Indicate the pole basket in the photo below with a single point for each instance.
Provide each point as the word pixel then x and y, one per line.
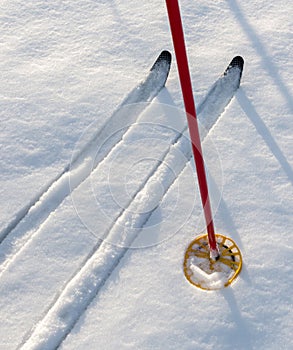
pixel 206 273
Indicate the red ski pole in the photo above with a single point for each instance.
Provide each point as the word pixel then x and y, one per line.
pixel 186 87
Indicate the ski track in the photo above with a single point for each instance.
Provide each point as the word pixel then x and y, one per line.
pixel 21 229
pixel 86 283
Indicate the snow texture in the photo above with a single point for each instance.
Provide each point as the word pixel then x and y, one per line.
pixel 99 198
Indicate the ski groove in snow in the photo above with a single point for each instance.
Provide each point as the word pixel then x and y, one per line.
pixel 104 258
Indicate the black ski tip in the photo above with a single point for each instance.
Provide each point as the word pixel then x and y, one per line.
pixel 237 61
pixel 165 56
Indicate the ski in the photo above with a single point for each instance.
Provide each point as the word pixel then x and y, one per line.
pixel 220 94
pixel 124 117
pixel 85 285
pixel 237 62
pixel 146 90
pixel 31 216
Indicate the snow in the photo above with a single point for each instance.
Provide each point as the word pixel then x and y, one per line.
pixel 85 264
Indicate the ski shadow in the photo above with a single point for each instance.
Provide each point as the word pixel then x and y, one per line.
pixel 263 130
pixel 267 62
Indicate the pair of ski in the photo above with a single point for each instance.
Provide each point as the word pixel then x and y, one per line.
pixel 89 279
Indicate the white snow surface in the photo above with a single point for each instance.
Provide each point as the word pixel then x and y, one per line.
pixel 84 263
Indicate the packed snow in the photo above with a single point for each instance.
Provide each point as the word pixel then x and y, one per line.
pixel 99 195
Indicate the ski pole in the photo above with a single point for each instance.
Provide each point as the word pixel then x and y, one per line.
pixel 186 87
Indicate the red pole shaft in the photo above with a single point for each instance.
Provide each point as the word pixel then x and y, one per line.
pixel 186 87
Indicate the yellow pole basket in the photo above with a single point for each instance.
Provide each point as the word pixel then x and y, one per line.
pixel 208 273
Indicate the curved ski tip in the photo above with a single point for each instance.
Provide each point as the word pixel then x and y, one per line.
pixel 165 56
pixel 237 61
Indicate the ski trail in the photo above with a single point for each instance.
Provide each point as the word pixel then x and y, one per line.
pixel 20 215
pixel 90 278
pixel 30 217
